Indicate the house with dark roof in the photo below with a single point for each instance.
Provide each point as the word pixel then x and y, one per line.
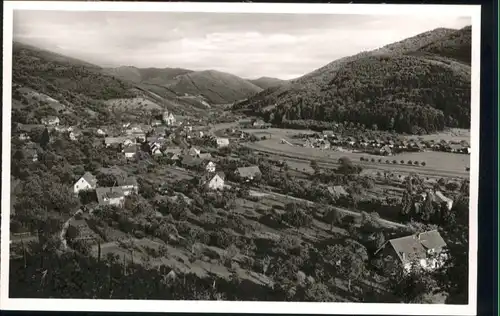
pixel 172 150
pixel 110 196
pixel 213 181
pixel 86 182
pixel 248 173
pixel 423 249
pixel 209 166
pixel 50 121
pixel 127 183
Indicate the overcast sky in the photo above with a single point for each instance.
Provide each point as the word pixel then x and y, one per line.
pixel 248 45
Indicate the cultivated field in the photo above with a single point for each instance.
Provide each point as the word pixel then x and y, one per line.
pixel 454 134
pixel 445 163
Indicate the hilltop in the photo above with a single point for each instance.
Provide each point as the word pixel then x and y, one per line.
pixel 410 86
pixel 267 82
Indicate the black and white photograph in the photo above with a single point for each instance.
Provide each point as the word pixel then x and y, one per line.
pixel 241 155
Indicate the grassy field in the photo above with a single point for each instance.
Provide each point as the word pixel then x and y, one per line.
pixel 435 161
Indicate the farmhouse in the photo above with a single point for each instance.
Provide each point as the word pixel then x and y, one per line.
pixel 248 173
pixel 128 184
pixel 86 182
pixel 24 136
pixel 101 132
pixel 50 121
pixel 210 166
pixel 222 142
pixel 110 196
pixel 193 151
pixel 424 249
pixel 75 134
pixel 204 156
pixel 213 181
pixel 338 191
pixel 190 161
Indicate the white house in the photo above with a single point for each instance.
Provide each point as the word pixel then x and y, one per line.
pixel 86 182
pixel 222 142
pixel 168 118
pixel 214 181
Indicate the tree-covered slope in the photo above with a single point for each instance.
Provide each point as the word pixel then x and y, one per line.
pixel 456 45
pixel 53 73
pixel 81 87
pixel 267 82
pixel 405 86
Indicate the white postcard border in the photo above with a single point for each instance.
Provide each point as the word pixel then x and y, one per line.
pixel 473 11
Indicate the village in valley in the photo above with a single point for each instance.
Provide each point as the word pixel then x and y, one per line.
pixel 164 203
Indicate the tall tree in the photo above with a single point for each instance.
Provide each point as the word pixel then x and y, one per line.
pixel 45 139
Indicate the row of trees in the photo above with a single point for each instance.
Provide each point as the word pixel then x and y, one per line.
pixel 394 161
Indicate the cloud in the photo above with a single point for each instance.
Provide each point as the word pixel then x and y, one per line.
pixel 248 45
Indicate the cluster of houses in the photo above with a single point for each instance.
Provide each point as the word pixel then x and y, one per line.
pixel 254 123
pixel 328 139
pixel 114 195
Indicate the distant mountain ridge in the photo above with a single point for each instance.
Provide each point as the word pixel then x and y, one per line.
pixel 215 87
pixel 420 84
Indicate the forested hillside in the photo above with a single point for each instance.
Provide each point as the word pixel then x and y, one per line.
pixel 53 84
pixel 411 86
pixel 267 82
